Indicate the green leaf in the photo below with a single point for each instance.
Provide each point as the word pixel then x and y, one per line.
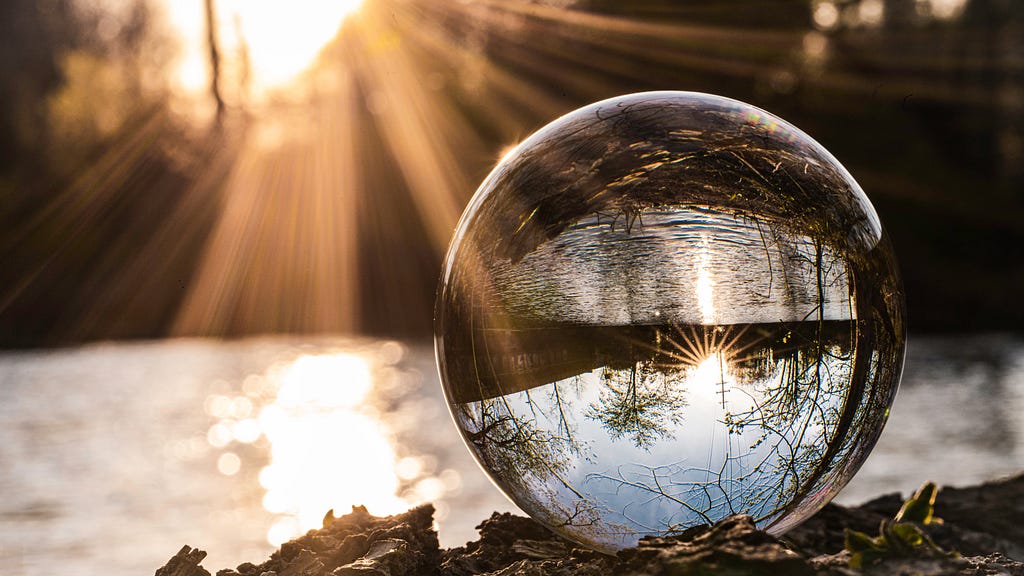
pixel 909 534
pixel 901 536
pixel 860 559
pixel 921 507
pixel 855 541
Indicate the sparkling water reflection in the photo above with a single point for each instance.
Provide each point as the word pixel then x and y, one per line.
pixel 235 446
pixel 108 465
pixel 312 425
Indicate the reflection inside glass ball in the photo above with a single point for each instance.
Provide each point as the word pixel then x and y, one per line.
pixel 666 308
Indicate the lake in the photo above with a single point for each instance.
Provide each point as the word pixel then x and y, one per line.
pixel 114 455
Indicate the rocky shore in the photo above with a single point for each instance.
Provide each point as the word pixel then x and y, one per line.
pixel 981 533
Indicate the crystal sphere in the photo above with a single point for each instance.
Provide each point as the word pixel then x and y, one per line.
pixel 665 308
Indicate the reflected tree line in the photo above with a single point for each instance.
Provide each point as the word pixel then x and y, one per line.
pixel 799 388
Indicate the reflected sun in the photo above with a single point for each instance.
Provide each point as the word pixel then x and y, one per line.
pixel 710 379
pixel 705 283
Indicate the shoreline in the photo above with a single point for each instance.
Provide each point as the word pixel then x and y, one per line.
pixel 982 533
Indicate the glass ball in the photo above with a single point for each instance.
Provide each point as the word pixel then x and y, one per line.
pixel 665 308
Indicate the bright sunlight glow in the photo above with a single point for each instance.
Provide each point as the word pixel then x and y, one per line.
pixel 330 447
pixel 325 451
pixel 712 383
pixel 282 38
pixel 327 382
pixel 709 379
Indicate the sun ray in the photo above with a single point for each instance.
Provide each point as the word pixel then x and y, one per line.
pixel 510 101
pixel 420 131
pixel 282 256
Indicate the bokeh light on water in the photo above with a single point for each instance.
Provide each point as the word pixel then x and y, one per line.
pixel 318 420
pixel 230 446
pixel 318 433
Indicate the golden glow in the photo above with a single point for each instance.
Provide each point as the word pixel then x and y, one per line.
pixel 280 39
pixel 284 38
pixel 283 253
pixel 188 22
pixel 330 381
pixel 942 9
pixel 709 382
pixel 815 47
pixel 871 12
pixel 326 451
pixel 329 448
pixel 229 464
pixel 826 15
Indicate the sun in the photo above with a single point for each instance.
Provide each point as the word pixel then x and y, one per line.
pixel 284 38
pixel 710 379
pixel 279 39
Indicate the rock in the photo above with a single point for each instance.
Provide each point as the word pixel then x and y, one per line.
pixel 838 565
pixel 386 557
pixel 357 543
pixel 992 565
pixel 984 519
pixel 824 532
pixel 733 546
pixel 184 563
pixel 513 545
pixel 985 524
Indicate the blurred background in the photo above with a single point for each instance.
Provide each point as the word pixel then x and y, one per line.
pixel 235 167
pixel 203 202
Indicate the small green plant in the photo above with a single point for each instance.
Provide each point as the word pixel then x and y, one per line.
pixel 902 536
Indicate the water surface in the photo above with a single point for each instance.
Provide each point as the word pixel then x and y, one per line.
pixel 114 455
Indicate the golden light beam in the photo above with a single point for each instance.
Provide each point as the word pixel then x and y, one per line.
pixel 511 103
pixel 422 132
pixel 283 255
pixel 607 24
pixel 169 244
